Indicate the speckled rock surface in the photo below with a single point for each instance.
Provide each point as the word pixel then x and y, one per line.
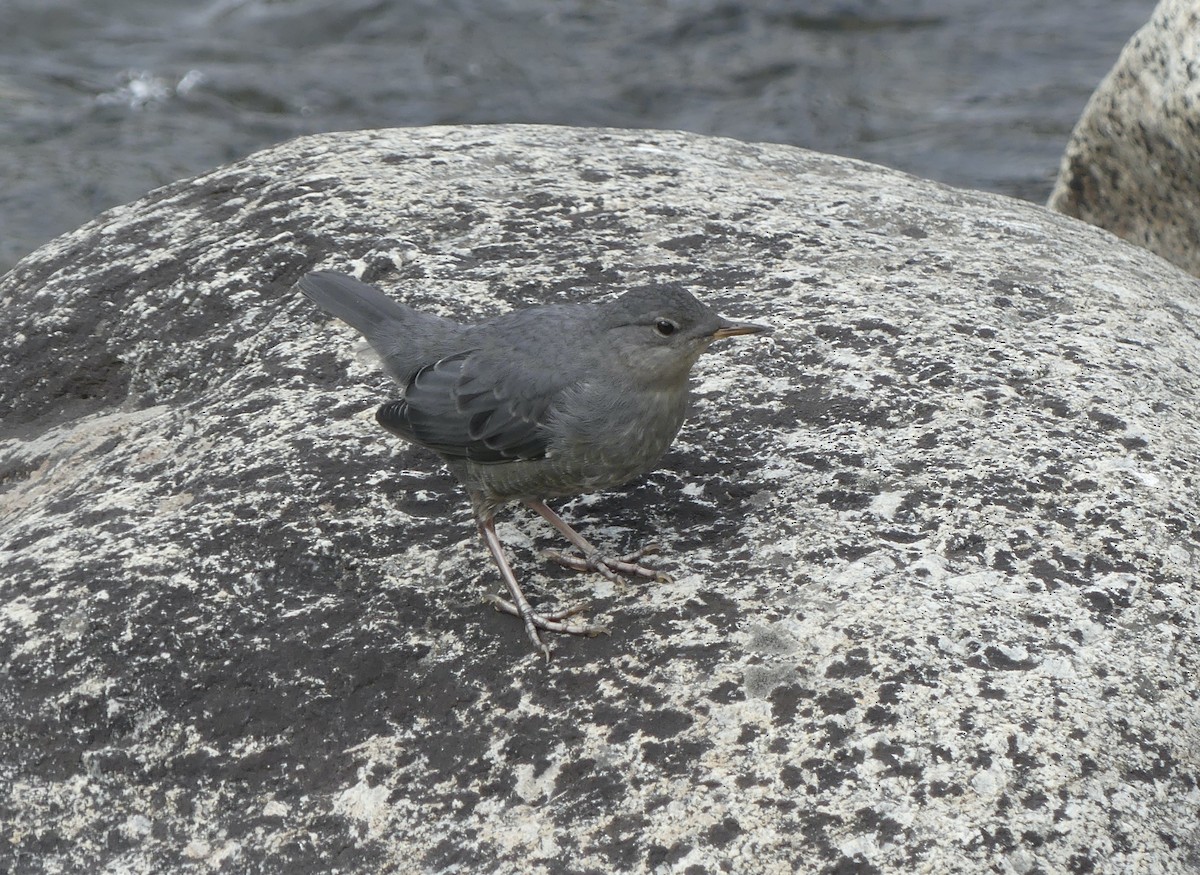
pixel 1133 162
pixel 936 603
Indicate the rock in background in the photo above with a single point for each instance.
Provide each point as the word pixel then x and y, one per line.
pixel 935 544
pixel 1133 161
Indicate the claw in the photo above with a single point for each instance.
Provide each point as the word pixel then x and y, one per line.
pixel 612 569
pixel 592 559
pixel 552 622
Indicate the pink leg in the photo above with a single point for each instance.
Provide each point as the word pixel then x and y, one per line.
pixel 593 559
pixel 520 607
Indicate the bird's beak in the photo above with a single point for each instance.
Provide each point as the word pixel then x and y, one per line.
pixel 734 329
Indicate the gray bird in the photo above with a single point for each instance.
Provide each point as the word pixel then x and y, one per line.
pixel 542 402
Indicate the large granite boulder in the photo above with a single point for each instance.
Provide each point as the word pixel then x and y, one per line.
pixel 1133 162
pixel 935 545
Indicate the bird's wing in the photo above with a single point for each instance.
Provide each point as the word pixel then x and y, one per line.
pixel 471 406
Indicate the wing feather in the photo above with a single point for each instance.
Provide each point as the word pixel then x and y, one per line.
pixel 468 406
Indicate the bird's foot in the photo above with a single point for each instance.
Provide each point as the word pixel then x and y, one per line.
pixel 558 621
pixel 611 568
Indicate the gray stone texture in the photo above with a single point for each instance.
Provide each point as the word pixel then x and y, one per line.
pixel 1133 161
pixel 935 545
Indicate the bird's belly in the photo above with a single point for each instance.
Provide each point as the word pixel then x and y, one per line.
pixel 592 455
pixel 591 469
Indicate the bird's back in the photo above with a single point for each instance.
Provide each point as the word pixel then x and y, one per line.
pixel 557 415
pixel 493 397
pixel 479 391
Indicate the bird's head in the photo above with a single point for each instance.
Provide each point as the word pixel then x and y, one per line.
pixel 658 333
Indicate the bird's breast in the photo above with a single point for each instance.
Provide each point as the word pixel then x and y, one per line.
pixel 613 436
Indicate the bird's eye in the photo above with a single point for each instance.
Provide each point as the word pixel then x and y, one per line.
pixel 665 327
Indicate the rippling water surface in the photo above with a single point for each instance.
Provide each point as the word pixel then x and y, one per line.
pixel 102 100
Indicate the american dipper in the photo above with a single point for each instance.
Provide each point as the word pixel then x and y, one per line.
pixel 546 401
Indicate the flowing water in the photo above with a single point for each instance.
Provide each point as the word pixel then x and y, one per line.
pixel 102 100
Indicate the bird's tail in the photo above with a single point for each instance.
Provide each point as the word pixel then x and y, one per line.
pixel 401 336
pixel 357 304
